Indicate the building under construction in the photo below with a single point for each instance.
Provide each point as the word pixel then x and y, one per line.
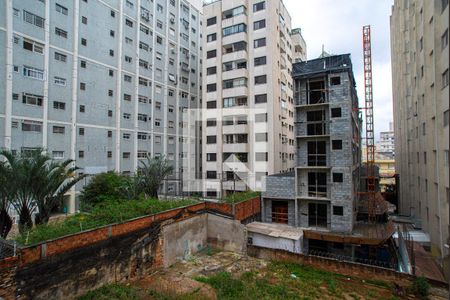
pixel 325 198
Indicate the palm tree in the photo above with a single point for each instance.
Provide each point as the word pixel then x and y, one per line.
pixel 53 181
pixel 6 195
pixel 38 183
pixel 151 173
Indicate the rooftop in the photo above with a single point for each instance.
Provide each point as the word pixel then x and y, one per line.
pixel 323 64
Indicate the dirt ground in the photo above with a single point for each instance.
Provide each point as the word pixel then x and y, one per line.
pixel 179 281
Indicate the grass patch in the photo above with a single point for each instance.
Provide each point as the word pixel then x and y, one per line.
pixel 112 292
pixel 105 213
pixel 241 196
pixel 379 283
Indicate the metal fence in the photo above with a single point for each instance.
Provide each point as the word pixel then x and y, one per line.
pixel 7 248
pixel 363 261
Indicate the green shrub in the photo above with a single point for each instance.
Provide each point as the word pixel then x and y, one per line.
pixel 112 291
pixel 102 187
pixel 421 287
pixel 104 213
pixel 241 196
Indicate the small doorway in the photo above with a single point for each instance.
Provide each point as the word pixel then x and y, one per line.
pixel 280 212
pixel 317 215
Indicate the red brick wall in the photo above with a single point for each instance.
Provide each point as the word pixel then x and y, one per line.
pixel 344 268
pixel 247 209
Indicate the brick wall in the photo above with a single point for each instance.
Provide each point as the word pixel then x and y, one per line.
pixel 350 269
pixel 74 264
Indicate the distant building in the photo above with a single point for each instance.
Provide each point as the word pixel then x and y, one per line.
pixel 420 81
pixel 386 144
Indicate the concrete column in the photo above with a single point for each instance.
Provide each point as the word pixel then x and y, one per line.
pixel 296 212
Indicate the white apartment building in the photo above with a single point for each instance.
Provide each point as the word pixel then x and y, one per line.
pixel 103 82
pixel 420 76
pixel 248 108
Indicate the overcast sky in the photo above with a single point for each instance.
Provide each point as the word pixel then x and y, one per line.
pixel 337 24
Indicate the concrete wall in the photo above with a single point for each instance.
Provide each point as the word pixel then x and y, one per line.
pixel 266 241
pixel 226 234
pixel 278 187
pixel 182 239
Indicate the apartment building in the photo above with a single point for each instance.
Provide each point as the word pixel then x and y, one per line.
pixel 321 193
pixel 104 82
pixel 420 75
pixel 248 109
pixel 386 144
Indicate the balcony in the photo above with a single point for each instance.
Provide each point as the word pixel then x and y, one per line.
pixel 235 147
pixel 229 39
pixel 236 55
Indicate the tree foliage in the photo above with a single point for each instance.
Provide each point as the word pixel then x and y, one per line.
pixel 35 184
pixel 151 174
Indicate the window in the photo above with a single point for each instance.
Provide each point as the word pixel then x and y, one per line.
pixel 445 78
pixel 338 210
pixel 126 155
pixel 335 80
pixel 260 61
pixel 34 126
pixel 128 59
pixel 444 39
pixel 110 93
pixel 82 86
pixel 233 12
pixel 60 81
pixel 211 70
pixel 211 21
pixel 129 23
pixel 421 44
pixel 59 129
pixel 33 46
pixel 127 78
pixel 159 40
pixel 444 4
pixel 317 153
pixel 259 43
pixel 261 118
pixel 234 29
pixel 211 174
pixel 446 118
pixel 211 156
pixel 128 40
pixel 211 139
pixel 336 112
pixel 59 105
pixel 83 64
pixel 143 81
pixel 211 54
pixel 80 154
pixel 212 87
pixel 126 136
pixel 232 83
pixel 211 37
pixel 144 46
pixel 83 42
pixel 58 154
pixel 111 52
pixel 110 113
pixel 127 97
pixel 338 177
pixel 159 24
pixel 142 117
pixel 109 134
pixel 60 32
pixel 82 109
pixel 60 57
pixel 261 137
pixel 33 73
pixel 336 144
pixel 262 98
pixel 113 14
pixel 81 131
pixel 259 6
pixel 33 19
pixel 144 29
pixel 260 79
pixel 424 128
pixel 31 99
pixel 16 12
pixel 211 104
pixel 109 154
pixel 259 24
pixel 84 20
pixel 261 156
pixel 315 122
pixel 317 184
pixel 211 122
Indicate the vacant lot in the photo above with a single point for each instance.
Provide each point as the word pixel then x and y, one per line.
pixel 224 275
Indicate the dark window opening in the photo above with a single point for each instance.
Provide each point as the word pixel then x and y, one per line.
pixel 280 212
pixel 317 92
pixel 335 80
pixel 338 177
pixel 317 184
pixel 336 144
pixel 317 153
pixel 316 122
pixel 317 215
pixel 338 210
pixel 336 112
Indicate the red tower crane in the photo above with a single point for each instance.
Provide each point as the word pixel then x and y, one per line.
pixel 370 140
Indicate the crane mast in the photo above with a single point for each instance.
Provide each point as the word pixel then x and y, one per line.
pixel 370 140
